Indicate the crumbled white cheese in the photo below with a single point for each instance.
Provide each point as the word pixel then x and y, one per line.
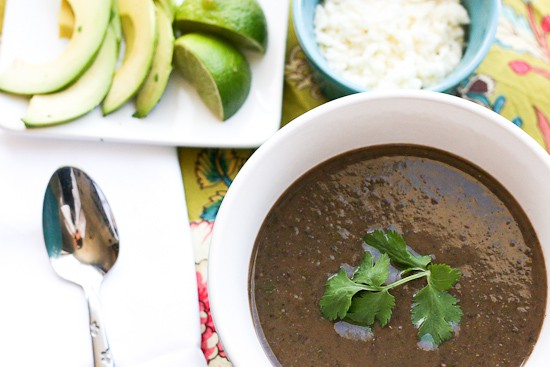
pixel 388 44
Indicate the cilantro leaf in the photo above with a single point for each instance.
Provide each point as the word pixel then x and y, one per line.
pixel 442 276
pixel 432 312
pixel 373 274
pixel 365 299
pixel 336 300
pixel 366 307
pixel 393 244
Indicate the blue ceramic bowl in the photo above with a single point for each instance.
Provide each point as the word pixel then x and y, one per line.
pixel 480 34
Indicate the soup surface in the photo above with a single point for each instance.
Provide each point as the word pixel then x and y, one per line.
pixel 443 207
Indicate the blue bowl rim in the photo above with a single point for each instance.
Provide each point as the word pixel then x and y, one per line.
pixel 446 84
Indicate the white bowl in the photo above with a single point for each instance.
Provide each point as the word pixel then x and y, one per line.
pixel 426 118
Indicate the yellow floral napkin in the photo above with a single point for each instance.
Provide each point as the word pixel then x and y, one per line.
pixel 514 80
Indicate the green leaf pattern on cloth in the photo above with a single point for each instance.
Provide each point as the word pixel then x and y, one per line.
pixel 513 80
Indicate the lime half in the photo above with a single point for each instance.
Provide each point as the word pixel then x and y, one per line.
pixel 242 22
pixel 218 71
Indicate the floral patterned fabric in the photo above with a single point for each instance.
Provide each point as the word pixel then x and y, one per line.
pixel 514 80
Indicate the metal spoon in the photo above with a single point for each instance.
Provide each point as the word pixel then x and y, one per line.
pixel 82 242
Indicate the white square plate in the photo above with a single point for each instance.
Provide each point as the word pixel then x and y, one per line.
pixel 180 119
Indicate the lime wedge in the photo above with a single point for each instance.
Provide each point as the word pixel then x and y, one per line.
pixel 242 22
pixel 218 71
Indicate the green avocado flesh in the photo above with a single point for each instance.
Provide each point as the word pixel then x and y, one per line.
pixel 154 85
pixel 82 96
pixel 139 29
pixel 91 22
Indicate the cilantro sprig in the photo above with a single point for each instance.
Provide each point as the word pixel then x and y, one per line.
pixel 365 298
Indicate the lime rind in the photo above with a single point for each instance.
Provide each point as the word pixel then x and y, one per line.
pixel 242 22
pixel 250 42
pixel 241 77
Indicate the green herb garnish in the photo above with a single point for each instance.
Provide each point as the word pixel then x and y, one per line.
pixel 365 298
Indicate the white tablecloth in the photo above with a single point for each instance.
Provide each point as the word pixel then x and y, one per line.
pixel 149 297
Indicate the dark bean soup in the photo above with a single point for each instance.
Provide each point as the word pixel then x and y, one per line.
pixel 444 207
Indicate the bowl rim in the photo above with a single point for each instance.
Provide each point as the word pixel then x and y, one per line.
pixel 316 59
pixel 218 270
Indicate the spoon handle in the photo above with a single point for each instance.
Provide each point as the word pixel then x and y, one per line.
pixel 100 344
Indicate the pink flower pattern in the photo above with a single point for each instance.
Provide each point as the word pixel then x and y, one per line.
pixel 521 67
pixel 210 344
pixel 540 31
pixel 544 127
pixel 201 232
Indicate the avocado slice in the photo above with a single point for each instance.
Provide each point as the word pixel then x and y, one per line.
pixel 169 6
pixel 138 19
pixel 154 85
pixel 115 22
pixel 82 96
pixel 2 11
pixel 92 21
pixel 66 20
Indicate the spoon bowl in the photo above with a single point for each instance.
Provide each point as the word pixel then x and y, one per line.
pixel 82 242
